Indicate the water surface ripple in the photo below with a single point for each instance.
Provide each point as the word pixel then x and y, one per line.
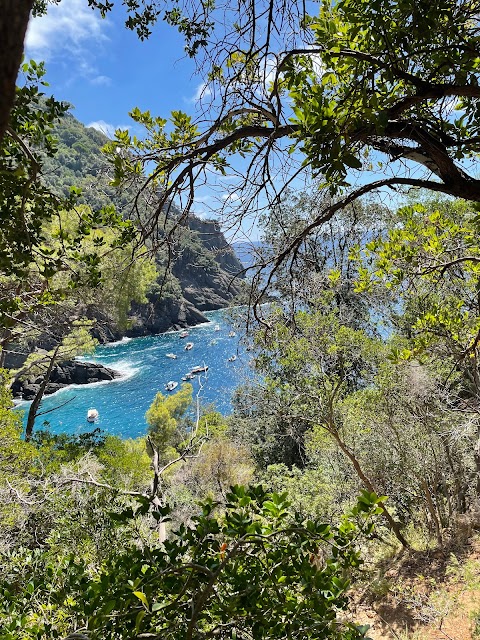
pixel 146 369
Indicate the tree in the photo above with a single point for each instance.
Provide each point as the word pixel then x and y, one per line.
pixel 374 86
pixel 360 86
pixel 16 455
pixel 431 259
pixel 14 17
pixel 163 418
pixel 76 342
pixel 254 570
pixel 311 366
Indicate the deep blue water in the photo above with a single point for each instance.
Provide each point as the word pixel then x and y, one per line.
pixel 146 369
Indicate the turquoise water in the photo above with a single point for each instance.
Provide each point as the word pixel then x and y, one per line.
pixel 146 369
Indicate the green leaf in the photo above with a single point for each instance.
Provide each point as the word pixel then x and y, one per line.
pixel 142 597
pixel 138 620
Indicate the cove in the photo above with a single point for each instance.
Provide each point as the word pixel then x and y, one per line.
pixel 145 370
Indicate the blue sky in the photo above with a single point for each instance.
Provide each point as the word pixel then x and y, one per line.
pixel 104 70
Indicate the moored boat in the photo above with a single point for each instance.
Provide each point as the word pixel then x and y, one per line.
pixel 217 327
pixel 92 415
pixel 232 334
pixel 199 369
pixel 183 334
pixel 232 358
pixel 170 386
pixel 171 355
pixel 189 346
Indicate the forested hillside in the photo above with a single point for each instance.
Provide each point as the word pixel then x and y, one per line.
pixel 203 269
pixel 342 492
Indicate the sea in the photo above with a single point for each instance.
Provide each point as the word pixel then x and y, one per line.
pixel 145 370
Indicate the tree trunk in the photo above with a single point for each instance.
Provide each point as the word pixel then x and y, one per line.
pixel 432 511
pixel 14 15
pixel 393 524
pixel 32 413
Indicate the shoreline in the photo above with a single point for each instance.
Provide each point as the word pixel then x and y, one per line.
pixel 18 403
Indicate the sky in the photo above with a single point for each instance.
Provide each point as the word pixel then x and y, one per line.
pixel 104 70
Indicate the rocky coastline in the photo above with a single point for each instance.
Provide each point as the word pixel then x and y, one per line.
pixel 63 375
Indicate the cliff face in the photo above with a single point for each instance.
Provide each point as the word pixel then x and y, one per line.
pixel 203 266
pixel 210 234
pixel 203 273
pixel 160 315
pixel 206 267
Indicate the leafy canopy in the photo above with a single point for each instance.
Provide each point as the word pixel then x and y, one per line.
pixel 354 89
pixel 256 570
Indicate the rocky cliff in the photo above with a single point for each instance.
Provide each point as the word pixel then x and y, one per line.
pixel 204 265
pixel 63 375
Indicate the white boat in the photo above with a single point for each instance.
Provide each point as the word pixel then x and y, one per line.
pixel 189 346
pixel 199 369
pixel 170 386
pixel 92 415
pixel 183 334
pixel 217 327
pixel 212 342
pixel 232 358
pixel 172 356
pixel 232 334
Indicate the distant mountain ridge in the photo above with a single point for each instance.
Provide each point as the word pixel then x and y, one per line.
pixel 204 264
pixel 248 251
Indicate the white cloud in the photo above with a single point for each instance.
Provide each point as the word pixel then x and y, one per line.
pixel 101 81
pixel 106 128
pixel 203 91
pixel 203 199
pixel 72 33
pixel 231 197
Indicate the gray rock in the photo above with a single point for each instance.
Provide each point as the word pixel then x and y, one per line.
pixel 63 375
pixel 29 391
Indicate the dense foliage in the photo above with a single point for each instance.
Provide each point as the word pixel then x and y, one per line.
pixel 368 349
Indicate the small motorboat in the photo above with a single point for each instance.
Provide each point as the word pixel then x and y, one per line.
pixel 212 343
pixel 232 334
pixel 189 376
pixel 199 369
pixel 189 346
pixel 92 415
pixel 232 358
pixel 183 334
pixel 170 386
pixel 172 356
pixel 217 327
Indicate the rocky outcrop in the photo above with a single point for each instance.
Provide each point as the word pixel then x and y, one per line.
pixel 160 315
pixel 206 266
pixel 63 375
pixel 211 236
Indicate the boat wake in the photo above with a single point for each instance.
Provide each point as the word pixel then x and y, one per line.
pixel 124 340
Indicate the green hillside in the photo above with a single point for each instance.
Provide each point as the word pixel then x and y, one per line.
pixel 80 163
pixel 203 263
